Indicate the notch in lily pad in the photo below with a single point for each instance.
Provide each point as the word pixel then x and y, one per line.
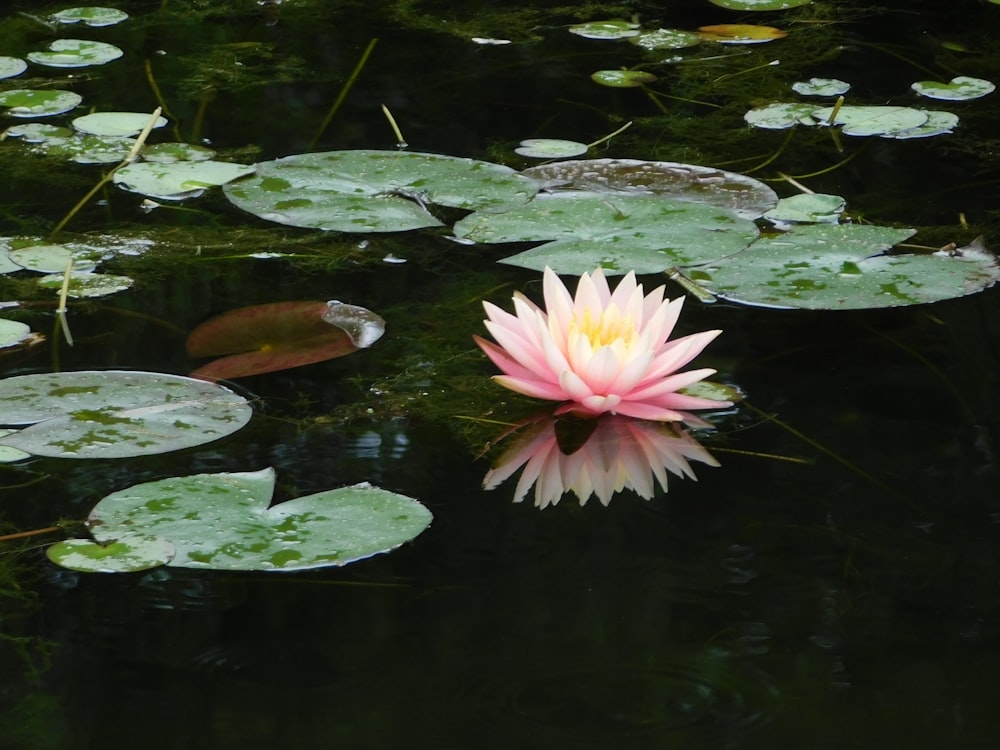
pixel 224 522
pixel 281 335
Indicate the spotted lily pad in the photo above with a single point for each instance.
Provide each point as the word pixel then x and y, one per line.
pixel 937 123
pixel 821 87
pixel 808 208
pixel 83 284
pixel 76 53
pixel 38 132
pixel 116 123
pixel 752 5
pixel 873 120
pixel 821 267
pixel 95 16
pixel 613 29
pixel 38 102
pixel 169 153
pixel 51 258
pixel 959 88
pixel 660 39
pixel 13 332
pixel 115 413
pixel 88 149
pixel 11 66
pixel 619 232
pixel 550 148
pixel 781 115
pixel 129 553
pixel 374 191
pixel 178 180
pixel 223 522
pixel 622 79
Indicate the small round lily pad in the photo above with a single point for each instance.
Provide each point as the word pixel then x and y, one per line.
pixel 76 53
pixel 612 29
pixel 95 16
pixel 38 102
pixel 87 284
pixel 622 79
pixel 550 148
pixel 960 88
pixel 821 87
pixel 128 553
pixel 12 66
pixel 116 123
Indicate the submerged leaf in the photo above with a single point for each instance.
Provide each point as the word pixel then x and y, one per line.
pixel 223 522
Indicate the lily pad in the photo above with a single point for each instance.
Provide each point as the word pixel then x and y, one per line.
pixel 740 33
pixel 374 191
pixel 960 88
pixel 89 149
pixel 13 332
pixel 178 180
pixel 618 232
pixel 622 79
pixel 550 148
pixel 809 208
pixel 223 522
pixel 781 115
pixel 76 53
pixel 873 120
pixel 9 455
pixel 129 553
pixel 752 5
pixel 821 267
pixel 169 153
pixel 937 123
pixel 821 87
pixel 666 39
pixel 51 258
pixel 38 132
pixel 93 15
pixel 281 335
pixel 84 284
pixel 116 123
pixel 613 29
pixel 686 182
pixel 11 66
pixel 116 414
pixel 38 102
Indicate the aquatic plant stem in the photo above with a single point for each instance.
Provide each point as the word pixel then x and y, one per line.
pixel 33 532
pixel 131 157
pixel 344 91
pixel 61 322
pixel 400 140
pixel 158 94
pixel 609 136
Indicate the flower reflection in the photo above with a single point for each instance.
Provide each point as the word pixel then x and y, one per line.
pixel 596 457
pixel 602 352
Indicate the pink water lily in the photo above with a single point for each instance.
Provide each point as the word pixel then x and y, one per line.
pixel 600 351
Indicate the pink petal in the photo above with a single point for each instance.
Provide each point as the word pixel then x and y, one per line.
pixel 655 390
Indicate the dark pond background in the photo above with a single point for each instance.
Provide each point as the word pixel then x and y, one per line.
pixel 846 598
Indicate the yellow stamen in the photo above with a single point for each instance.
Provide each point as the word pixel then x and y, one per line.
pixel 610 326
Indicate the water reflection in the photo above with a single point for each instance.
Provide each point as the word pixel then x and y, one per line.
pixel 595 457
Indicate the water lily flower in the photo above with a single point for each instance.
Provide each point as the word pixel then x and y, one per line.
pixel 600 351
pixel 620 454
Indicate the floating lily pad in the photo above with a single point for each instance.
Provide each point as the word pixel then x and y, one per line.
pixel 687 182
pixel 116 123
pixel 76 53
pixel 781 115
pixel 808 208
pixel 89 149
pixel 959 88
pixel 83 284
pixel 91 16
pixel 873 120
pixel 821 87
pixel 937 123
pixel 550 148
pixel 821 267
pixel 179 180
pixel 13 332
pixel 752 5
pixel 169 153
pixel 740 33
pixel 223 522
pixel 10 455
pixel 374 191
pixel 11 66
pixel 38 102
pixel 613 29
pixel 116 414
pixel 38 132
pixel 622 79
pixel 129 553
pixel 620 232
pixel 281 335
pixel 666 39
pixel 51 258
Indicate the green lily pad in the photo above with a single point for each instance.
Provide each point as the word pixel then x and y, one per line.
pixel 666 39
pixel 622 79
pixel 686 182
pixel 223 522
pixel 821 87
pixel 84 284
pixel 51 258
pixel 11 66
pixel 116 123
pixel 873 120
pixel 618 232
pixel 116 414
pixel 740 33
pixel 178 180
pixel 9 455
pixel 95 16
pixel 550 148
pixel 613 29
pixel 937 123
pixel 820 267
pixel 752 5
pixel 88 149
pixel 76 53
pixel 38 102
pixel 38 132
pixel 129 553
pixel 808 208
pixel 781 115
pixel 960 88
pixel 281 335
pixel 13 332
pixel 374 191
pixel 169 153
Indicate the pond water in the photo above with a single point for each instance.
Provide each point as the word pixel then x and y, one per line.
pixel 833 584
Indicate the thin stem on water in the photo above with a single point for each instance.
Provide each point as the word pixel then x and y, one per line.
pixel 344 91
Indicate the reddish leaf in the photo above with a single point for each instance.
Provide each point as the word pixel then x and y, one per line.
pixel 280 335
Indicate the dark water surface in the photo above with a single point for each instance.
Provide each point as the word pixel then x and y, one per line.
pixel 848 598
